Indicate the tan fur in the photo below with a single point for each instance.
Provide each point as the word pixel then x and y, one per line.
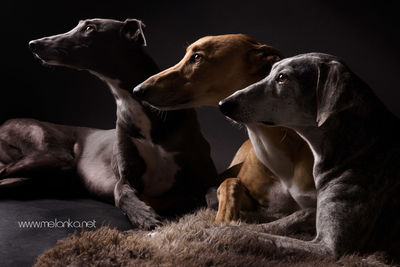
pixel 229 63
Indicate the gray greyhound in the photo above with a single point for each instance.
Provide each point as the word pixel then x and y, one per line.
pixel 355 142
pixel 145 166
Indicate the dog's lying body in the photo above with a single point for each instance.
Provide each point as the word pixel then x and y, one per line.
pixel 34 149
pixel 355 143
pixel 277 161
pixel 151 163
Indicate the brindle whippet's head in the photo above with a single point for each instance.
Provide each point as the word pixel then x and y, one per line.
pixel 213 68
pixel 94 44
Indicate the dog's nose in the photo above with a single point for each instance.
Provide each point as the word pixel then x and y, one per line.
pixel 34 45
pixel 227 107
pixel 139 91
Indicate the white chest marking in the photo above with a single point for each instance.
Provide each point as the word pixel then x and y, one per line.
pixel 161 167
pixel 271 156
pixel 126 106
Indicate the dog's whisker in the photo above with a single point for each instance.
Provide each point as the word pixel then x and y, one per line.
pixel 162 114
pixel 283 137
pixel 165 114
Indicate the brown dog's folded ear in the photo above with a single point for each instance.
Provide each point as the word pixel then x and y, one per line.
pixel 333 95
pixel 262 57
pixel 133 30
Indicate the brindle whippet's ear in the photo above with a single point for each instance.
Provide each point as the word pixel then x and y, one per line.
pixel 333 95
pixel 133 30
pixel 262 57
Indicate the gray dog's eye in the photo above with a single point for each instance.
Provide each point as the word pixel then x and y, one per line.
pixel 282 78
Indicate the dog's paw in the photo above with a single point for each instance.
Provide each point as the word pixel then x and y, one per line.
pixel 144 217
pixel 212 199
pixel 139 213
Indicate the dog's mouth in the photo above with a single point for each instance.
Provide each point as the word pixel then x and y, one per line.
pixel 177 104
pixel 51 56
pixel 268 123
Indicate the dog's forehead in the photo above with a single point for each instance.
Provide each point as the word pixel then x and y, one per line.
pixel 203 43
pixel 284 64
pixel 228 41
pixel 99 22
pixel 299 64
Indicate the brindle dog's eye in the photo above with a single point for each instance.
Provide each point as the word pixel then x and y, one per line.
pixel 89 29
pixel 196 58
pixel 282 78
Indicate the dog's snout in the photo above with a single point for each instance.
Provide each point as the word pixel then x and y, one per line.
pixel 227 107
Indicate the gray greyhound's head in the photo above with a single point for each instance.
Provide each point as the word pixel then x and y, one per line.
pixel 94 44
pixel 304 90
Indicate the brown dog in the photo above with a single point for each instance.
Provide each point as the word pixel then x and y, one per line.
pixel 277 161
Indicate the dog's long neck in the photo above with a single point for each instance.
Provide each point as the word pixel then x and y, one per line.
pixel 124 73
pixel 270 149
pixel 349 136
pixel 138 119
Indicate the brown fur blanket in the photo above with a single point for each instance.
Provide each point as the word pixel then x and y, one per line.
pixel 193 240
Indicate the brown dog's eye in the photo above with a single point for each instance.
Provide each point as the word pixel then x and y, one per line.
pixel 196 58
pixel 89 29
pixel 282 78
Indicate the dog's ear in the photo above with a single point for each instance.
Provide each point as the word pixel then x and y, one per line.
pixel 262 57
pixel 133 30
pixel 334 92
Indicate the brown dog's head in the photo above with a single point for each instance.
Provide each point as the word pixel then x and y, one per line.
pixel 213 68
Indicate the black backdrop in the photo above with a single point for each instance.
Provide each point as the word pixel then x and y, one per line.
pixel 364 34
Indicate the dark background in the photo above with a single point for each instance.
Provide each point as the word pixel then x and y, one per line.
pixel 364 34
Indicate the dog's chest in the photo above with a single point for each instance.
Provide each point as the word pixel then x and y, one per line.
pixel 272 156
pixel 161 167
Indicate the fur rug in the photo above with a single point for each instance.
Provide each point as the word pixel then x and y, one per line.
pixel 193 240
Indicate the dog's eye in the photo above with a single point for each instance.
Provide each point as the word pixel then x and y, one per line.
pixel 196 58
pixel 282 78
pixel 89 29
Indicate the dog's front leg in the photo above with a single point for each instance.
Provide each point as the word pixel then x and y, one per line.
pixel 130 168
pixel 232 197
pixel 11 183
pixel 302 221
